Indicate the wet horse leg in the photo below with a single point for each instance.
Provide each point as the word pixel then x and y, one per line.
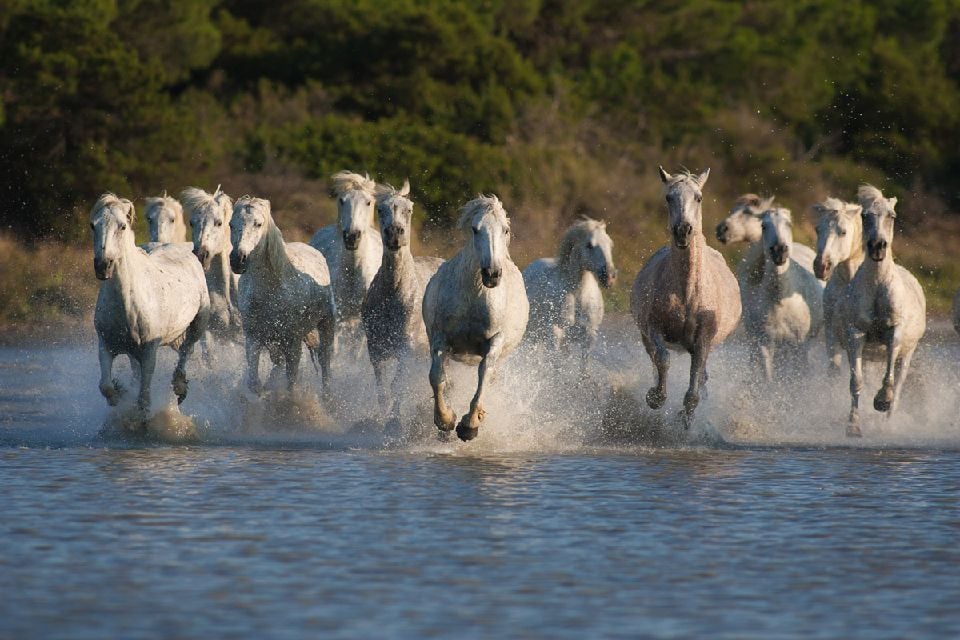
pixel 660 357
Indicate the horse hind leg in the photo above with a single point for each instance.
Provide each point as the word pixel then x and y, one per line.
pixel 109 388
pixel 698 375
pixel 657 395
pixel 326 329
pixel 902 367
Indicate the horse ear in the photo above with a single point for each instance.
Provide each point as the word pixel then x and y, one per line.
pixel 766 204
pixel 664 176
pixel 131 214
pixel 853 209
pixel 702 178
pixel 892 202
pixel 405 189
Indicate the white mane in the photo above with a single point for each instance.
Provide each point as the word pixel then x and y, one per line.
pixel 577 232
pixel 197 200
pixel 482 204
pixel 867 194
pixel 109 199
pixel 346 181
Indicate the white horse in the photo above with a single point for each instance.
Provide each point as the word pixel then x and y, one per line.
pixel 566 305
pixel 392 310
pixel 839 256
pixel 353 249
pixel 165 219
pixel 884 308
pixel 209 216
pixel 790 305
pixel 475 309
pixel 743 225
pixel 146 301
pixel 285 295
pixel 685 297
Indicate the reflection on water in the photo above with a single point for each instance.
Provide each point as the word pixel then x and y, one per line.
pixel 559 521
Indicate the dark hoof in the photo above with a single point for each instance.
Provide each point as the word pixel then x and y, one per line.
pixel 882 403
pixel 466 432
pixel 655 398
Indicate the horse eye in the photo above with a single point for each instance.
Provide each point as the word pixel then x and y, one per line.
pixel 401 231
pixel 698 197
pixel 841 232
pixel 123 227
pixel 343 200
pixel 506 232
pixel 218 223
pixel 475 231
pixel 93 226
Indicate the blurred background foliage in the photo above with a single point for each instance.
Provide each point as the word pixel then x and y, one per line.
pixel 563 108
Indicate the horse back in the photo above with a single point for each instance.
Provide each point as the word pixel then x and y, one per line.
pixel 308 260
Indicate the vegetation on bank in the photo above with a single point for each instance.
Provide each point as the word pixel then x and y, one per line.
pixel 563 108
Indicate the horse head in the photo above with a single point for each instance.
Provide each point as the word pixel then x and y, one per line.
pixel 111 221
pixel 684 196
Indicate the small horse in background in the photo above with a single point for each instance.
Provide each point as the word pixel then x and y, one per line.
pixel 685 297
pixel 884 308
pixel 209 216
pixel 165 219
pixel 789 309
pixel 839 256
pixel 744 225
pixel 392 310
pixel 146 300
pixel 566 305
pixel 353 249
pixel 285 295
pixel 475 309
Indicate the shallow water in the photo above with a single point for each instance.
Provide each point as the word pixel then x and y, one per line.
pixel 763 522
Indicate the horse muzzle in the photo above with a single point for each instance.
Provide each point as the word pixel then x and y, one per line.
pixel 877 250
pixel 391 238
pixel 204 257
pixel 681 235
pixel 607 277
pixel 722 230
pixel 490 277
pixel 351 240
pixel 238 262
pixel 822 268
pixel 779 253
pixel 103 268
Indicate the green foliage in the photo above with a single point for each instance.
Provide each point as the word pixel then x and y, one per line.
pixel 141 95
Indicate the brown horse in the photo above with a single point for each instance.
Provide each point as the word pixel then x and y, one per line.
pixel 685 297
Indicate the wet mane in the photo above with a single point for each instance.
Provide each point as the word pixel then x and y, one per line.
pixel 482 204
pixel 577 232
pixel 197 200
pixel 109 199
pixel 347 181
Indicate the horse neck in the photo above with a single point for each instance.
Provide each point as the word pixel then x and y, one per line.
pixel 179 229
pixel 274 263
pixel 848 267
pixel 398 266
pixel 570 269
pixel 776 283
pixel 219 274
pixel 469 272
pixel 355 260
pixel 881 271
pixel 688 264
pixel 130 268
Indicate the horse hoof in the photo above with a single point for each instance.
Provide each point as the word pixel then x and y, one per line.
pixel 853 431
pixel 445 422
pixel 466 432
pixel 883 401
pixel 655 398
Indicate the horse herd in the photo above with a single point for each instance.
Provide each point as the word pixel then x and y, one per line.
pixel 353 283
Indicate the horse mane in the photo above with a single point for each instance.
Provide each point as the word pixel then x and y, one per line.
pixel 867 194
pixel 109 199
pixel 386 193
pixel 482 203
pixel 833 208
pixel 780 211
pixel 197 200
pixel 575 233
pixel 346 181
pixel 748 203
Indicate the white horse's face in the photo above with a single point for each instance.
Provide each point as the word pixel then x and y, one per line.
pixel 777 231
pixel 396 216
pixel 742 224
pixel 838 234
pixel 355 217
pixel 211 231
pixel 684 197
pixel 596 255
pixel 490 239
pixel 112 227
pixel 162 215
pixel 878 223
pixel 248 226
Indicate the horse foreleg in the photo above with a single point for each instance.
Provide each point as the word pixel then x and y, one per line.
pixel 327 330
pixel 396 390
pixel 469 425
pixel 108 388
pixel 291 362
pixel 883 401
pixel 196 332
pixel 766 358
pixel 252 351
pixel 660 357
pixel 379 367
pixel 698 371
pixel 443 417
pixel 903 366
pixel 855 340
pixel 148 363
